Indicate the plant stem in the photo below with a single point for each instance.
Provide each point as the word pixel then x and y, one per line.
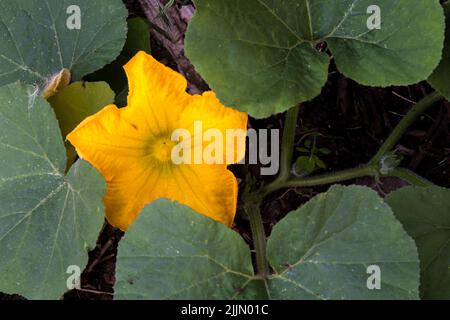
pixel 404 124
pixel 253 203
pixel 259 238
pixel 287 144
pixel 323 179
pixel 371 169
pixel 411 177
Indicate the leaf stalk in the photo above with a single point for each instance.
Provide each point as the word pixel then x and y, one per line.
pixel 259 238
pixel 372 169
pixel 253 199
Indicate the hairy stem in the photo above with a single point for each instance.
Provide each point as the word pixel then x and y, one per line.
pixel 405 123
pixel 259 238
pixel 287 144
pixel 372 169
pixel 323 179
pixel 287 147
pixel 253 203
pixel 411 177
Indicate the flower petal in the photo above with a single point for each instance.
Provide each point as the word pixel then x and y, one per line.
pixel 213 115
pixel 156 92
pixel 208 189
pixel 129 192
pixel 109 141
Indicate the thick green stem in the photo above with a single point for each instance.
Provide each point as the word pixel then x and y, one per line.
pixel 371 169
pixel 411 177
pixel 253 203
pixel 323 179
pixel 287 144
pixel 259 238
pixel 404 124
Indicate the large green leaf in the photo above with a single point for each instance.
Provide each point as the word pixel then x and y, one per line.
pixel 138 39
pixel 440 79
pixel 320 251
pixel 260 57
pixel 48 221
pixel 37 43
pixel 425 214
pixel 79 101
pixel 75 103
pixel 171 252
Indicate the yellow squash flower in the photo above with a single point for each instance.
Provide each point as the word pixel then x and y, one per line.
pixel 132 146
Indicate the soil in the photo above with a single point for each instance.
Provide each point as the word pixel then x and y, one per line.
pixel 352 120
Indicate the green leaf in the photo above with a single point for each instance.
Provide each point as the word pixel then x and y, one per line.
pixel 323 249
pixel 37 43
pixel 260 56
pixel 325 151
pixel 138 39
pixel 319 162
pixel 48 221
pixel 305 164
pixel 303 150
pixel 440 78
pixel 425 214
pixel 77 102
pixel 171 252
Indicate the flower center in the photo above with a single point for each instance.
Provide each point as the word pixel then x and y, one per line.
pixel 161 149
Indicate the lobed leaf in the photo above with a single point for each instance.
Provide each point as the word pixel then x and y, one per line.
pixel 320 251
pixel 425 214
pixel 48 221
pixel 172 252
pixel 261 57
pixel 323 249
pixel 440 78
pixel 37 43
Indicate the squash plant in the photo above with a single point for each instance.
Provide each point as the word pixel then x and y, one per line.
pixel 59 60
